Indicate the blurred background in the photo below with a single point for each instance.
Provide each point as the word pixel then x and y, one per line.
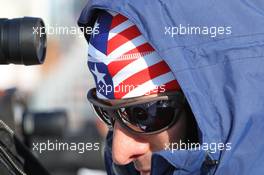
pixel 52 97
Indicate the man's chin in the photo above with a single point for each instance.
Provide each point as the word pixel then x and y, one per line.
pixel 144 172
pixel 143 164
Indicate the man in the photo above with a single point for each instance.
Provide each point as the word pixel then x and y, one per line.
pixel 220 72
pixel 136 94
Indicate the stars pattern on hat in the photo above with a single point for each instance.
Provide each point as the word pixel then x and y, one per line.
pixel 95 28
pixel 99 75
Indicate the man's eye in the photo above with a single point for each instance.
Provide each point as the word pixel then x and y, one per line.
pixel 140 114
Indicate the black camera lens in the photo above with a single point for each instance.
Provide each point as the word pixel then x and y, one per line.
pixel 22 41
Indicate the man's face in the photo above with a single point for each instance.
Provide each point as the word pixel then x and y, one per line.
pixel 128 147
pixel 120 57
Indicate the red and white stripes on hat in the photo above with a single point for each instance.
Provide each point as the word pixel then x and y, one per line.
pixel 123 63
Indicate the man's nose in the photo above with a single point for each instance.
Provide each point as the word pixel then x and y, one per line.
pixel 126 146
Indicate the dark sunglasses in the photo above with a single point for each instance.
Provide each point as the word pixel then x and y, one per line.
pixel 145 115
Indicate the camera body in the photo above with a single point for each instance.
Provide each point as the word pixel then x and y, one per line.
pixel 19 44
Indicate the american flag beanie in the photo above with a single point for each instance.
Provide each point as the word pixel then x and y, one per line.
pixel 123 63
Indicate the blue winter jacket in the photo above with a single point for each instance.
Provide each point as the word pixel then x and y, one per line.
pixel 222 76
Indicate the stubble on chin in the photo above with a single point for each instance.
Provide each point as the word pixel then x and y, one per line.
pixel 143 163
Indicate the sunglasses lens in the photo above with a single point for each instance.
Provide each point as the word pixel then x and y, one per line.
pixel 148 117
pixel 103 115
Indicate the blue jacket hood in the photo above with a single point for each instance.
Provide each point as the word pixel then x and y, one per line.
pixel 222 76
